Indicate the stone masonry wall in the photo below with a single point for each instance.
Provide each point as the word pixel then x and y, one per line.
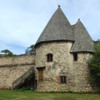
pixel 12 68
pixel 15 60
pixel 77 72
pixel 82 78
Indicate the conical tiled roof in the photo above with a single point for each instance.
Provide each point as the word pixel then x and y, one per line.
pixel 83 42
pixel 57 29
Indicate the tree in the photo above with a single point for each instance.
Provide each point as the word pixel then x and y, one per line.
pixel 7 52
pixel 30 50
pixel 94 64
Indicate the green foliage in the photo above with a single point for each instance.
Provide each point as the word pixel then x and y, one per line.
pixel 97 46
pixel 30 50
pixel 94 63
pixel 6 52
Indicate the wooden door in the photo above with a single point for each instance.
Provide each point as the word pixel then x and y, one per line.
pixel 40 74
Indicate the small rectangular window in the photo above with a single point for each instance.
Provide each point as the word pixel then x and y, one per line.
pixel 75 56
pixel 49 57
pixel 63 79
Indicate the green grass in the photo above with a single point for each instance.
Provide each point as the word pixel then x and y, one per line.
pixel 30 95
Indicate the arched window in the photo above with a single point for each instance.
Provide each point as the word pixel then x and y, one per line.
pixel 49 57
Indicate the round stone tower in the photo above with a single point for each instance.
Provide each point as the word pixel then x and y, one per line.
pixel 58 55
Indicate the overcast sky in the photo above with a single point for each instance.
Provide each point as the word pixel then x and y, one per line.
pixel 22 21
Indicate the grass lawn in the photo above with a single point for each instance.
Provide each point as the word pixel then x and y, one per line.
pixel 30 95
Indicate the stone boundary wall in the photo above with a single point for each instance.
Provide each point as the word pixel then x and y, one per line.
pixel 17 60
pixel 13 68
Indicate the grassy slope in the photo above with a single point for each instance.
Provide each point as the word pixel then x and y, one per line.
pixel 29 95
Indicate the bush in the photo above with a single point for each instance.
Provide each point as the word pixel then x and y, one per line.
pixel 94 64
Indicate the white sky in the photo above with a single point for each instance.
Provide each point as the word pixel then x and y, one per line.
pixel 22 21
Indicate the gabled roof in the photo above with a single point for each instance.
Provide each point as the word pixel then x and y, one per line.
pixel 57 29
pixel 83 41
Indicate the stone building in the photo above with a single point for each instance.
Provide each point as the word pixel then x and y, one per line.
pixel 62 52
pixel 60 62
